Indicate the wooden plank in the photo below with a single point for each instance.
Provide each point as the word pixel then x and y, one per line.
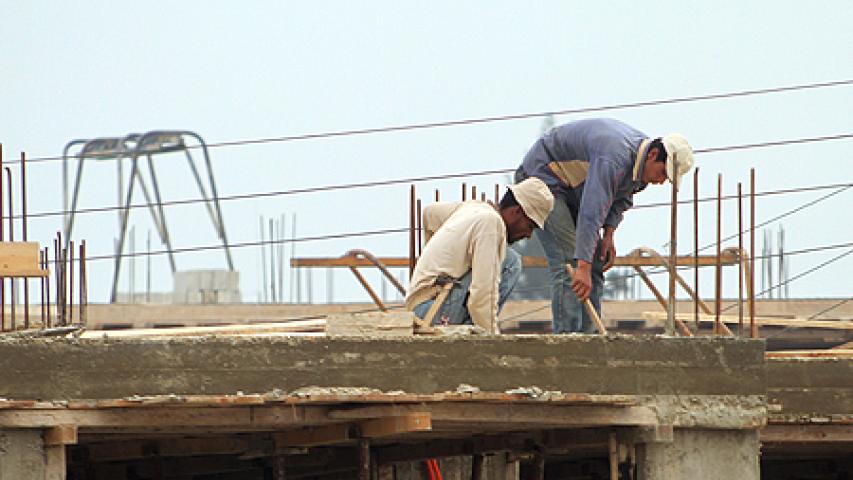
pixel 387 426
pixel 769 321
pixel 252 329
pixel 830 353
pixel 215 418
pixel 20 259
pixel 374 324
pixel 315 436
pixel 61 435
pixel 807 433
pixel 508 414
pixel 345 432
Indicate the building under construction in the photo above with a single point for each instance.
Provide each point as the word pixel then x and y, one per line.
pixel 728 388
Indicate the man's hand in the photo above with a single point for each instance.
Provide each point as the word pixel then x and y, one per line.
pixel 608 248
pixel 582 280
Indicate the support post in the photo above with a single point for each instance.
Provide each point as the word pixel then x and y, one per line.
pixel 740 260
pixel 696 248
pixel 719 267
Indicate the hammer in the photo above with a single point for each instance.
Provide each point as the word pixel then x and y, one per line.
pixel 588 305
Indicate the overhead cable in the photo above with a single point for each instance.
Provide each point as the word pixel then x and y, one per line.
pixel 503 118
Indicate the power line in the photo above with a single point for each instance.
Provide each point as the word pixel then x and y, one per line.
pixel 377 183
pixel 503 118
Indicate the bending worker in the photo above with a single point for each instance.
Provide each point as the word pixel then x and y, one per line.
pixel 594 167
pixel 466 244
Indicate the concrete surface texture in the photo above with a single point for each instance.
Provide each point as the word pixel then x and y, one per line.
pixel 808 387
pixel 21 455
pixel 705 454
pixel 58 369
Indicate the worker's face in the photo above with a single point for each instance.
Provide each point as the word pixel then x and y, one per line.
pixel 654 171
pixel 519 226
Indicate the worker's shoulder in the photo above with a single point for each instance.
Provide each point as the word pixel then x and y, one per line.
pixel 477 212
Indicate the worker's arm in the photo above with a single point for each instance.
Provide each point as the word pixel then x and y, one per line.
pixel 488 247
pixel 434 215
pixel 598 197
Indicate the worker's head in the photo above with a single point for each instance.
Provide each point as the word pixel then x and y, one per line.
pixel 524 207
pixel 669 157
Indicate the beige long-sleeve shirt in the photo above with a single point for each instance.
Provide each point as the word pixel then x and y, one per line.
pixel 462 236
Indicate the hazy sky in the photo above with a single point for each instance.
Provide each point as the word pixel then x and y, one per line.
pixel 248 70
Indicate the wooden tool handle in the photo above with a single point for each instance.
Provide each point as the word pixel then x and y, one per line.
pixel 588 305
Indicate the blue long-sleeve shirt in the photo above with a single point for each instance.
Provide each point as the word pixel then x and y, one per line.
pixel 595 166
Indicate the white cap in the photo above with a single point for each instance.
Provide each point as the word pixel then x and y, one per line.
pixel 678 152
pixel 535 199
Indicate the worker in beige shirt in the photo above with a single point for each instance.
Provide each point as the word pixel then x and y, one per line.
pixel 467 241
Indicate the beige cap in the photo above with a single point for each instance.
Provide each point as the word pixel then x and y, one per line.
pixel 678 152
pixel 535 199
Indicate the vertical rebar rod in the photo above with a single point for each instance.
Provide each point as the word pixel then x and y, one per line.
pixel 2 280
pixel 669 328
pixel 70 271
pixel 753 331
pixel 497 194
pixel 473 192
pixel 437 195
pixel 42 267
pixel 419 227
pixel 11 239
pixel 412 229
pixel 719 267
pixel 696 247
pixel 83 285
pixel 273 295
pixel 148 267
pixel 263 261
pixel 65 307
pixel 56 270
pixel 464 191
pixel 24 235
pixel 740 259
pixel 47 320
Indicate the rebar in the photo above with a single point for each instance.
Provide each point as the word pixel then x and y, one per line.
pixel 11 239
pixel 696 247
pixel 719 266
pixel 669 328
pixel 47 287
pixel 412 229
pixel 753 330
pixel 419 226
pixel 70 274
pixel 84 290
pixel 740 260
pixel 464 191
pixel 24 235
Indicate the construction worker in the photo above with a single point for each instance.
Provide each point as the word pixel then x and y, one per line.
pixel 594 167
pixel 466 244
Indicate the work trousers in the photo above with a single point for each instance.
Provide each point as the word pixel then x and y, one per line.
pixel 454 310
pixel 558 241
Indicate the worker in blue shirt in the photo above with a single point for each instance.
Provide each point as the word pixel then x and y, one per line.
pixel 593 167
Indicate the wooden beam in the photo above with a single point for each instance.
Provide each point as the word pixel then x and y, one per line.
pixel 170 418
pixel 60 435
pixel 807 433
pixel 345 432
pixel 530 414
pixel 769 321
pixel 251 329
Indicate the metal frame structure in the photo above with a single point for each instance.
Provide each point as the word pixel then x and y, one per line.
pixel 134 147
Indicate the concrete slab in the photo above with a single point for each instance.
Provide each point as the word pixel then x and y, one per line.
pixel 96 368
